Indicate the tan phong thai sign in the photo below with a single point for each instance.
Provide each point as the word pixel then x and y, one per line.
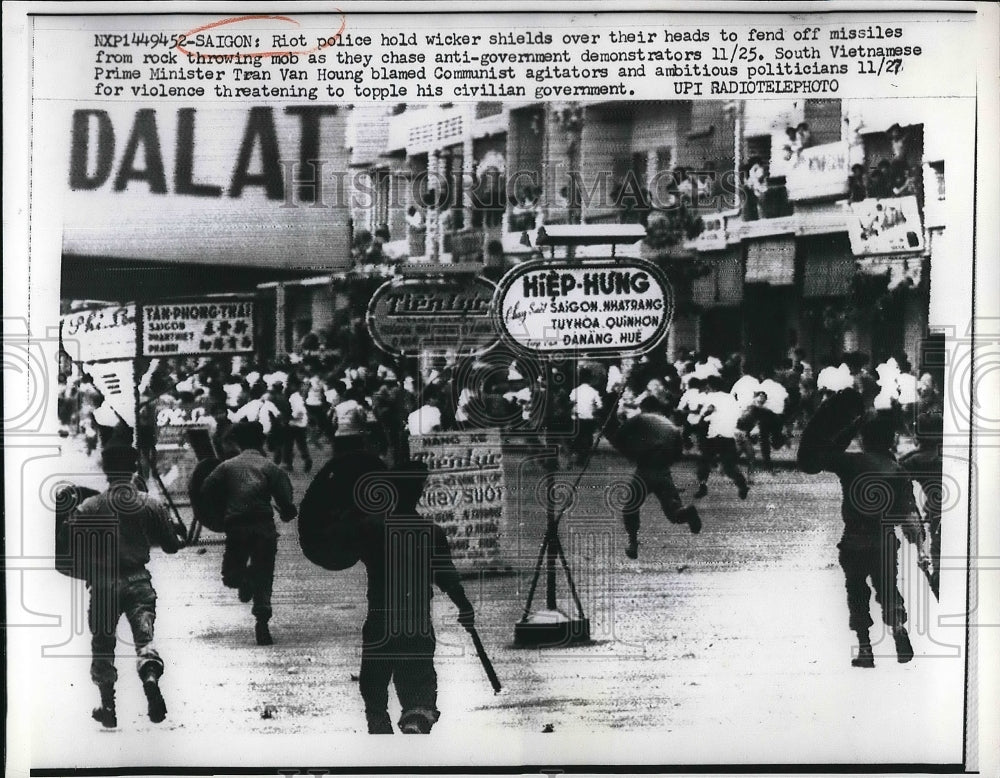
pixel 198 327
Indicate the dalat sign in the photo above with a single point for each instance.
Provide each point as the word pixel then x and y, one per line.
pixel 619 307
pixel 240 185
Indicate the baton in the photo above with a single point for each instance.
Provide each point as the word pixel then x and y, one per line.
pixel 487 664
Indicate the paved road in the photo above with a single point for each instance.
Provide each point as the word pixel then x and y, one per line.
pixel 729 645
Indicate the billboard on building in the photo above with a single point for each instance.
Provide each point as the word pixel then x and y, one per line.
pixel 221 184
pixel 887 226
pixel 817 171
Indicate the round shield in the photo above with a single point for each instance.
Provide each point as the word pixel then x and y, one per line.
pixel 648 434
pixel 349 488
pixel 68 499
pixel 830 430
pixel 209 509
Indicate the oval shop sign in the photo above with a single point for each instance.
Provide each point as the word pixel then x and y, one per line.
pixel 613 307
pixel 408 316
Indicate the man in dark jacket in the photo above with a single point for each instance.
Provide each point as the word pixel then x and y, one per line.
pixel 246 485
pixel 123 522
pixel 653 443
pixel 876 497
pixel 405 555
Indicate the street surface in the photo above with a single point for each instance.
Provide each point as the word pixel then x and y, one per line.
pixel 731 645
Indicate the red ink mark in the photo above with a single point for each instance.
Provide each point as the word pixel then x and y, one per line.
pixel 326 41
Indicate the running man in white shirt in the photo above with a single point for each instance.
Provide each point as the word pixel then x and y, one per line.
pixel 722 414
pixel 298 425
pixel 587 406
pixel 689 410
pixel 427 418
pixel 259 409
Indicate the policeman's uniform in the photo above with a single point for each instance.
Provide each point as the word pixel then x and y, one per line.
pixel 405 555
pixel 119 582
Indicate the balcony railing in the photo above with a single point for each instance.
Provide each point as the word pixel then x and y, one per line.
pixel 465 245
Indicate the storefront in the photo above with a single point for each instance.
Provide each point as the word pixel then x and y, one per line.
pixel 770 300
pixel 718 295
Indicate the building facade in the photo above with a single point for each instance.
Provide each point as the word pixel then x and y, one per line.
pixel 783 224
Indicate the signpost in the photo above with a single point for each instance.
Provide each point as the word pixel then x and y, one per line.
pixel 576 308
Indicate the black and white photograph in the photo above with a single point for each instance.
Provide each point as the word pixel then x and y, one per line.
pixel 587 390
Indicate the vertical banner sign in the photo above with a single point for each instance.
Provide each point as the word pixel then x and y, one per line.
pixel 197 327
pixel 465 493
pixel 116 381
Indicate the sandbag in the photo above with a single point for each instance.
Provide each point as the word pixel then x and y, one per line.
pixel 830 430
pixel 68 499
pixel 209 509
pixel 343 494
pixel 648 434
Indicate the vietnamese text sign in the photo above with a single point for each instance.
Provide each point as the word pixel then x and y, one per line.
pixel 407 316
pixel 197 327
pixel 622 307
pixel 818 171
pixel 889 226
pixel 464 494
pixel 100 333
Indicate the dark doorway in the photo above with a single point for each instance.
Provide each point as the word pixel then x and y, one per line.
pixel 721 331
pixel 765 319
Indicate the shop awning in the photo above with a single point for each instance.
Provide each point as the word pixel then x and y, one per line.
pixel 828 266
pixel 723 285
pixel 771 261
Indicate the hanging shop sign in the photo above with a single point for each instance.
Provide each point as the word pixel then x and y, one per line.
pixel 713 233
pixel 100 334
pixel 817 171
pixel 886 226
pixel 195 327
pixel 620 307
pixel 464 494
pixel 771 262
pixel 409 316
